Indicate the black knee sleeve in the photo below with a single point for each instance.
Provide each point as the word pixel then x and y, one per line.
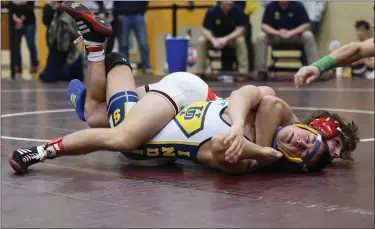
pixel 113 59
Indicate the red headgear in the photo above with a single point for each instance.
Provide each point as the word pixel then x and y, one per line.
pixel 328 127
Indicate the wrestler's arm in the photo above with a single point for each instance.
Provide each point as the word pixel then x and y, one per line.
pixel 241 102
pixel 214 156
pixel 346 54
pixel 272 113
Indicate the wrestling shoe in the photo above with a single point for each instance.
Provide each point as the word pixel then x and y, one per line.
pixel 76 94
pixel 92 28
pixel 22 159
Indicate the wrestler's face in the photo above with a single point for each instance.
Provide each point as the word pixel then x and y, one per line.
pixel 335 146
pixel 298 142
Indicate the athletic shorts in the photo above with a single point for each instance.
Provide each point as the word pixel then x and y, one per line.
pixel 181 89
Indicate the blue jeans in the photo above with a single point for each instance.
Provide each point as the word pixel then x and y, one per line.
pixel 137 23
pixel 29 32
pixel 115 35
pixel 58 70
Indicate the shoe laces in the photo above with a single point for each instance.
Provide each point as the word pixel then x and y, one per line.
pixel 30 157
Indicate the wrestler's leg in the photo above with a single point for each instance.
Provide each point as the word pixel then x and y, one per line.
pixel 207 94
pixel 121 81
pixel 141 124
pixel 265 90
pixel 163 107
pixel 95 101
pixel 81 142
pixel 93 31
pixel 133 121
pixel 95 112
pixel 96 105
pixel 145 119
pixel 90 100
pixel 121 98
pixel 150 114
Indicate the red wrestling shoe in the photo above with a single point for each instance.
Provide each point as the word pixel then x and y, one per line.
pixel 91 27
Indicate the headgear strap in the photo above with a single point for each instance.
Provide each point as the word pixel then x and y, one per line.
pixel 328 127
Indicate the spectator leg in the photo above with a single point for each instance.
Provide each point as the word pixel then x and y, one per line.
pixel 76 69
pixel 249 43
pixel 54 67
pixel 261 52
pixel 141 35
pixel 18 33
pixel 228 59
pixel 124 35
pixel 310 47
pixel 202 55
pixel 30 40
pixel 111 40
pixel 241 54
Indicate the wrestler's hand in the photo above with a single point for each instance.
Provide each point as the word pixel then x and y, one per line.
pixel 236 140
pixel 306 75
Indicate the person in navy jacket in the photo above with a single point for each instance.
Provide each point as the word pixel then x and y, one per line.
pixel 284 22
pixel 223 26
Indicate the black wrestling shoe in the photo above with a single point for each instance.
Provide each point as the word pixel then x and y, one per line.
pixel 91 27
pixel 22 159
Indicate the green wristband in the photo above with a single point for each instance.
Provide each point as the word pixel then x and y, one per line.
pixel 324 64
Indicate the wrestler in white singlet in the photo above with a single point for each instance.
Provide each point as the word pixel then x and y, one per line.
pixel 183 136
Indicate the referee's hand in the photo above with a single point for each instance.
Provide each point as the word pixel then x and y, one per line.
pixel 306 75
